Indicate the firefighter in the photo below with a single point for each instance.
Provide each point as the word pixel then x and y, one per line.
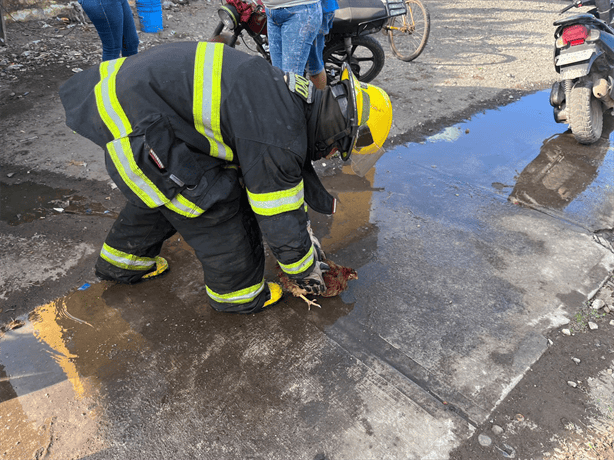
pixel 218 145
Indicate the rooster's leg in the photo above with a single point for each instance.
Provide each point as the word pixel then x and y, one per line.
pixel 309 302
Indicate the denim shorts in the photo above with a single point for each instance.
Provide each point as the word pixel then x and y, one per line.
pixel 315 64
pixel 291 33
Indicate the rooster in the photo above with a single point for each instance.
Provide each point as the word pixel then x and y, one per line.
pixel 336 280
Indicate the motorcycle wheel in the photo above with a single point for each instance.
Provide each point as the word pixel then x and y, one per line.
pixel 367 59
pixel 585 115
pixel 409 33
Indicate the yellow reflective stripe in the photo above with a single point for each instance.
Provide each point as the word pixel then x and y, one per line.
pixel 124 260
pixel 181 205
pixel 243 296
pixel 270 204
pixel 107 103
pixel 121 154
pixel 300 266
pixel 120 150
pixel 208 96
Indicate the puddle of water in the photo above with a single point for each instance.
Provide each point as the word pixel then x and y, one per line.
pixel 447 234
pixel 516 152
pixel 116 360
pixel 53 367
pixel 351 222
pixel 56 337
pixel 27 201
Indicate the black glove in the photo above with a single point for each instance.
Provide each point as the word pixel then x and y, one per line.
pixel 314 282
pixel 316 244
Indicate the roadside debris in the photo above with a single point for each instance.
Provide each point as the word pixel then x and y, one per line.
pixel 15 324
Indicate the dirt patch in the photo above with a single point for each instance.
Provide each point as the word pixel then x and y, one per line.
pixel 563 408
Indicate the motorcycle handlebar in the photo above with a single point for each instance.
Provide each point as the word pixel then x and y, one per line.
pixel 577 4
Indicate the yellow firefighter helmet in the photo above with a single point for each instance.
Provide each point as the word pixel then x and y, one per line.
pixel 370 113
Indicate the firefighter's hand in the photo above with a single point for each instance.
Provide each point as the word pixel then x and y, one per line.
pixel 316 243
pixel 314 282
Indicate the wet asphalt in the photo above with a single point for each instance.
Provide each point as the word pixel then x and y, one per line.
pixel 469 247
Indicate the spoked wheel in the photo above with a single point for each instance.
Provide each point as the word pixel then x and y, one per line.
pixel 585 115
pixel 367 59
pixel 409 33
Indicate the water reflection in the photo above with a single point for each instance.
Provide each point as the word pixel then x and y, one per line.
pixel 50 373
pixel 562 170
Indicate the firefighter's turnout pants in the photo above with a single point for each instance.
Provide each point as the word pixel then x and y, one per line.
pixel 226 239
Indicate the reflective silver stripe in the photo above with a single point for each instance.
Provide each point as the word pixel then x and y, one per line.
pixel 185 207
pixel 124 260
pixel 300 266
pixel 108 105
pixel 121 154
pixel 242 296
pixel 120 150
pixel 207 97
pixel 272 203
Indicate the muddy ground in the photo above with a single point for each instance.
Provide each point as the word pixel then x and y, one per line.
pixel 479 56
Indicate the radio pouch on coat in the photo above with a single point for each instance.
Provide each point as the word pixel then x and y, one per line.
pixel 152 167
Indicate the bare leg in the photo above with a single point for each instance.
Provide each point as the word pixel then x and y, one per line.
pixel 319 80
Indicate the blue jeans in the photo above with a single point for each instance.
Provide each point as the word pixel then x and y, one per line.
pixel 115 26
pixel 315 63
pixel 291 32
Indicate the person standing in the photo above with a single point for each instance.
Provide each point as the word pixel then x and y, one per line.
pixel 315 61
pixel 115 25
pixel 197 151
pixel 292 26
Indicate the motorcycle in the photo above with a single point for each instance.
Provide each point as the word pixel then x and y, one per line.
pixel 348 41
pixel 584 59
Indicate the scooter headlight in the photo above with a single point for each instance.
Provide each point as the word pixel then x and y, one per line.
pixel 229 16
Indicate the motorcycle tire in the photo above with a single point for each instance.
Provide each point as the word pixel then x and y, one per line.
pixel 367 58
pixel 585 115
pixel 408 34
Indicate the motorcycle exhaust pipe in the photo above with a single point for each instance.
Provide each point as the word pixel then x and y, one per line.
pixel 604 91
pixel 557 94
pixel 560 115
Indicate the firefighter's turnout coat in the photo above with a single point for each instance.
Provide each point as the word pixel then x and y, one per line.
pixel 189 128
